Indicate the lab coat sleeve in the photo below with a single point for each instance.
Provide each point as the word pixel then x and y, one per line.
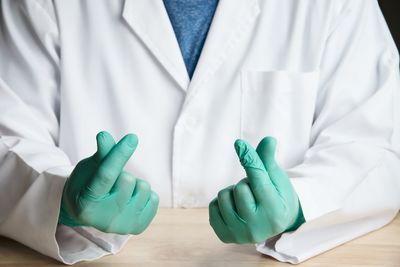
pixel 349 181
pixel 33 169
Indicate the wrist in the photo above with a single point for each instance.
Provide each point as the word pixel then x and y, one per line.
pixel 298 220
pixel 65 218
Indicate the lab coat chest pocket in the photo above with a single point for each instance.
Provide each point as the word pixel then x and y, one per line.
pixel 279 104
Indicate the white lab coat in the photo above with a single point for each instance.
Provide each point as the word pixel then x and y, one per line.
pixel 320 76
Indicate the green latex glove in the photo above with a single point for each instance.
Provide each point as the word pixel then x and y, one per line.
pixel 260 206
pixel 100 194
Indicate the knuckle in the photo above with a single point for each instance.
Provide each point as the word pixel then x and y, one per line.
pixel 244 181
pixel 153 213
pixel 128 178
pixel 143 185
pixel 212 204
pixel 239 187
pixel 142 192
pixel 223 193
pixel 105 175
pixel 155 199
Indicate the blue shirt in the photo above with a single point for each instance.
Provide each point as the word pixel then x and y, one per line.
pixel 191 20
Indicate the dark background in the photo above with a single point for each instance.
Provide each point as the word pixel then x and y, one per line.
pixel 391 11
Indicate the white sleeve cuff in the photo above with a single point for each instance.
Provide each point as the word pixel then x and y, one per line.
pixel 86 244
pixel 318 236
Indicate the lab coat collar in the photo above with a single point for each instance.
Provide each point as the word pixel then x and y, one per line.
pixel 232 19
pixel 150 21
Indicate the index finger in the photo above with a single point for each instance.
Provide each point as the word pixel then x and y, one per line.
pixel 259 180
pixel 111 166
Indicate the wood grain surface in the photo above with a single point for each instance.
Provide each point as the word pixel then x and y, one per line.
pixel 183 237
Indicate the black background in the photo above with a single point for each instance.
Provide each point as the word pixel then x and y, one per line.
pixel 391 11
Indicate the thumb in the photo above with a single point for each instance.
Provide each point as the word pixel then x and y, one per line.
pixel 105 142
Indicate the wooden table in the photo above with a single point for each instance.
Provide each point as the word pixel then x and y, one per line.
pixel 179 237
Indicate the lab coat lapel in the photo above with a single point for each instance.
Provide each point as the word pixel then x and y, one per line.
pixel 231 20
pixel 150 21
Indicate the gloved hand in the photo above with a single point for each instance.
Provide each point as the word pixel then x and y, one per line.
pixel 260 206
pixel 100 194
